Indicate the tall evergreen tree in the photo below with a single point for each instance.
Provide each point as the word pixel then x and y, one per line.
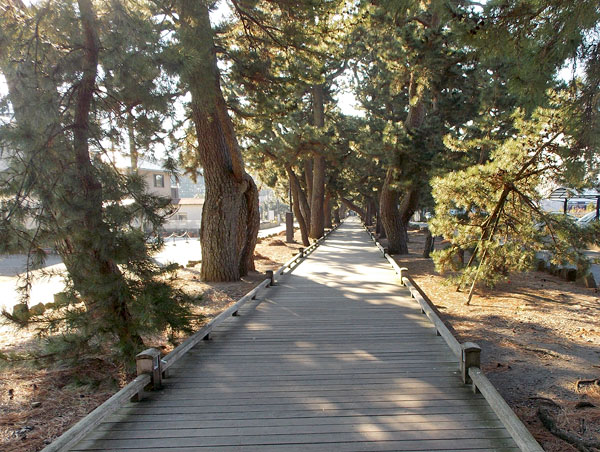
pixel 230 217
pixel 57 191
pixel 284 58
pixel 417 82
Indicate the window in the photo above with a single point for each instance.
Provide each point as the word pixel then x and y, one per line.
pixel 182 216
pixel 159 180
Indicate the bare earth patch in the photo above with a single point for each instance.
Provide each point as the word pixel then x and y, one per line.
pixel 540 339
pixel 38 405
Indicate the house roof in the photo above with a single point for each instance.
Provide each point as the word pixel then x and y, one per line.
pixel 569 193
pixel 124 162
pixel 188 201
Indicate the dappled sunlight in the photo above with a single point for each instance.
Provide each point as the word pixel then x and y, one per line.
pixel 373 432
pixel 336 353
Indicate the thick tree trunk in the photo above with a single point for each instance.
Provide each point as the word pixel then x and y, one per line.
pixel 379 229
pixel 308 181
pixel 395 219
pixel 390 216
pixel 230 219
pixel 296 191
pixel 318 178
pixel 428 243
pixel 368 215
pixel 336 215
pixel 250 216
pixel 317 222
pixel 327 211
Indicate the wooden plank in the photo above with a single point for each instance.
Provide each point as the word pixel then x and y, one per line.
pixel 337 357
pixel 458 437
pixel 190 342
pixel 481 409
pixel 117 423
pixel 388 446
pixel 199 432
pixel 239 407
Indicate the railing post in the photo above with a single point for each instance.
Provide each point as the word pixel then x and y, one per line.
pixel 149 362
pixel 402 269
pixel 269 274
pixel 471 357
pixel 166 372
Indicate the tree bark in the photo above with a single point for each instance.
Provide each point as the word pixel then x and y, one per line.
pixel 317 222
pixel 230 219
pixel 308 179
pixel 390 216
pixel 318 178
pixel 133 153
pixel 428 243
pixel 296 190
pixel 327 211
pixel 336 216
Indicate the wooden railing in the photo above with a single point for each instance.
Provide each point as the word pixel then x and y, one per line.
pixel 468 355
pixel 151 368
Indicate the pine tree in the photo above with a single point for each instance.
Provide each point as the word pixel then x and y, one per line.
pixel 230 217
pixel 499 220
pixel 416 84
pixel 57 191
pixel 284 59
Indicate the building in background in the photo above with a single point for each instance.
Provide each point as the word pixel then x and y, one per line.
pixel 186 195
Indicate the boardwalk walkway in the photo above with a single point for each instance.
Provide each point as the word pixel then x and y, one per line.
pixel 337 357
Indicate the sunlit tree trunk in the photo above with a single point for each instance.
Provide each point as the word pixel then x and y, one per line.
pixel 230 218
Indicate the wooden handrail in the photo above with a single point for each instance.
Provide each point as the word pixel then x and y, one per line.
pixel 440 327
pixel 469 367
pixel 78 431
pixel 85 425
pixel 507 416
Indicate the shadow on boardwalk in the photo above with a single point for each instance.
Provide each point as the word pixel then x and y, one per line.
pixel 336 357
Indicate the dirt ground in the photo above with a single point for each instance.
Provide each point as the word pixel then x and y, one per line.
pixel 39 404
pixel 539 335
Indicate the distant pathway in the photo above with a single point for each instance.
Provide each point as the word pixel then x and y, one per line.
pixel 338 357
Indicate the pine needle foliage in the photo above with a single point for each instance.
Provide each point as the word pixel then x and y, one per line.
pixel 58 191
pixel 491 212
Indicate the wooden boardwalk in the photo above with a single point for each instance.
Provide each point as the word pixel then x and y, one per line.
pixel 337 357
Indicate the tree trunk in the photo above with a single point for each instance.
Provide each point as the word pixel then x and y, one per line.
pixel 390 216
pixel 368 215
pixel 133 153
pixel 72 193
pixel 308 180
pixel 296 190
pixel 230 218
pixel 327 211
pixel 317 222
pixel 336 215
pixel 428 243
pixel 379 229
pixel 350 205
